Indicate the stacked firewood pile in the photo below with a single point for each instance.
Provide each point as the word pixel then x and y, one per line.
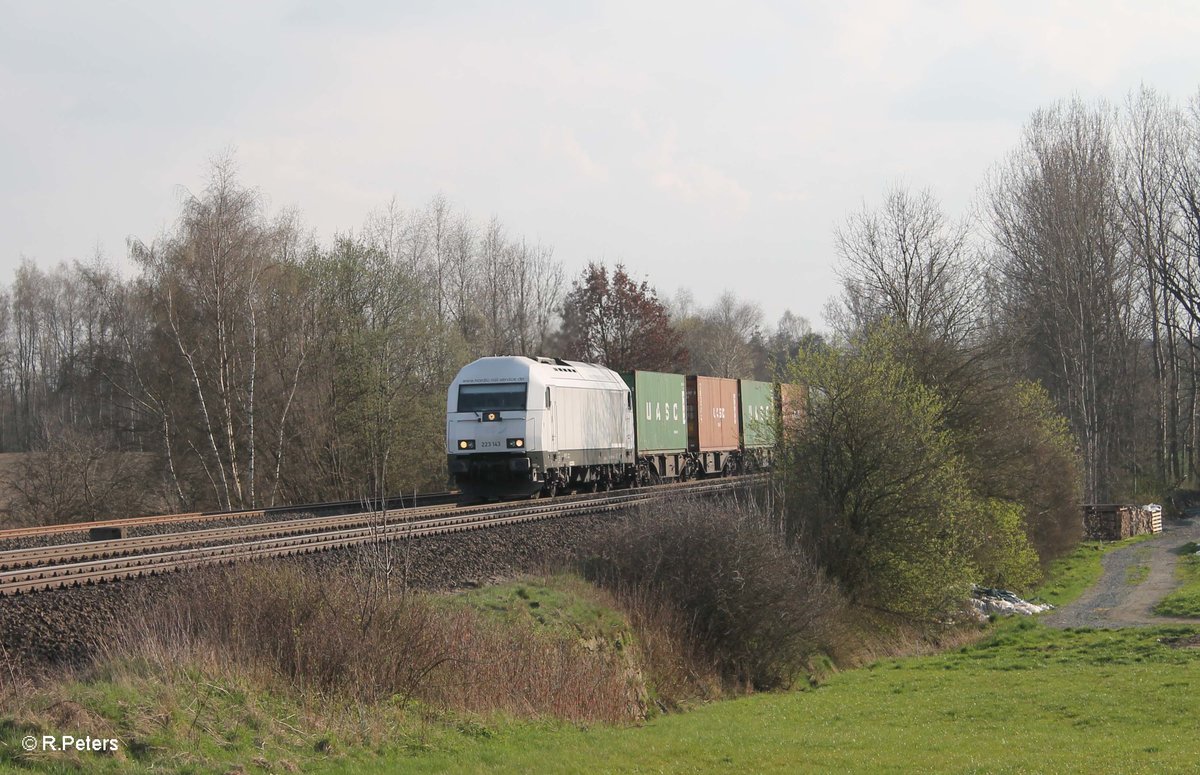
pixel 1114 521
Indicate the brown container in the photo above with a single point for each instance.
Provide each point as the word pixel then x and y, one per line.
pixel 792 401
pixel 712 414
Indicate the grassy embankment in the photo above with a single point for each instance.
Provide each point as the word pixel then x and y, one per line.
pixel 1184 601
pixel 210 706
pixel 1026 698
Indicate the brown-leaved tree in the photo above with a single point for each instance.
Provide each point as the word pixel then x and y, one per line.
pixel 617 321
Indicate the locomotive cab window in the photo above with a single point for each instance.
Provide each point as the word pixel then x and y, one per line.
pixel 484 398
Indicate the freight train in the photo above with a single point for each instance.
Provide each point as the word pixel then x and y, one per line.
pixel 528 427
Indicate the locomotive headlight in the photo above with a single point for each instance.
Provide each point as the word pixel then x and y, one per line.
pixel 516 443
pixel 466 444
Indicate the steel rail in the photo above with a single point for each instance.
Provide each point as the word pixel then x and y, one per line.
pixel 47 577
pixel 119 547
pixel 206 516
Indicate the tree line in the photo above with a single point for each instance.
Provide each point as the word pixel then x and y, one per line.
pixel 1078 272
pixel 987 374
pixel 246 364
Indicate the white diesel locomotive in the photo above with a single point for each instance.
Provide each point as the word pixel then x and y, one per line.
pixel 519 426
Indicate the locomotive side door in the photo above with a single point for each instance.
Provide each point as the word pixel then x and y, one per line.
pixel 551 425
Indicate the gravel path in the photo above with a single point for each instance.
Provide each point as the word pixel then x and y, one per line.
pixel 1116 602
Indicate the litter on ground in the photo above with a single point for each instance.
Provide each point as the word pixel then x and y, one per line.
pixel 986 601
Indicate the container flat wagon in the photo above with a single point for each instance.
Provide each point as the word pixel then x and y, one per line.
pixel 759 421
pixel 660 424
pixel 713 428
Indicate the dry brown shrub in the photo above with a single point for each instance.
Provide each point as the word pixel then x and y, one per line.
pixel 745 602
pixel 864 636
pixel 502 667
pixel 308 630
pixel 678 669
pixel 73 475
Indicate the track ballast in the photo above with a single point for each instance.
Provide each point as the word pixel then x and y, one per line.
pixel 25 571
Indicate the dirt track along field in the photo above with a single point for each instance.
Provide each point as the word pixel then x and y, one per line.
pixel 1126 594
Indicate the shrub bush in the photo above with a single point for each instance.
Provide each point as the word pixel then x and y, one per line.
pixel 917 473
pixel 873 485
pixel 310 630
pixel 751 606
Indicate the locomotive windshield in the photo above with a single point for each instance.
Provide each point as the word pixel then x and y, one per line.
pixel 485 398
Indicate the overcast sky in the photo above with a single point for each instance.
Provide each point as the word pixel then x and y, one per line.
pixel 704 145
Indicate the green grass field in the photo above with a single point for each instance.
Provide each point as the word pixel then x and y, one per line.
pixel 1026 698
pixel 563 604
pixel 1184 601
pixel 1029 699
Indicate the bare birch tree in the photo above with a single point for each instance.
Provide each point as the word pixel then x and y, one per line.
pixel 1150 142
pixel 1067 282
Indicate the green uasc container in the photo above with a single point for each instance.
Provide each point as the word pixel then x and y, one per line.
pixel 758 413
pixel 659 411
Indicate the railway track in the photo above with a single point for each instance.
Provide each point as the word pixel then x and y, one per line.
pixel 120 547
pixel 73 565
pixel 331 508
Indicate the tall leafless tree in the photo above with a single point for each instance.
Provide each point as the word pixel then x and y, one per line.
pixel 722 339
pixel 1068 284
pixel 1151 146
pixel 908 262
